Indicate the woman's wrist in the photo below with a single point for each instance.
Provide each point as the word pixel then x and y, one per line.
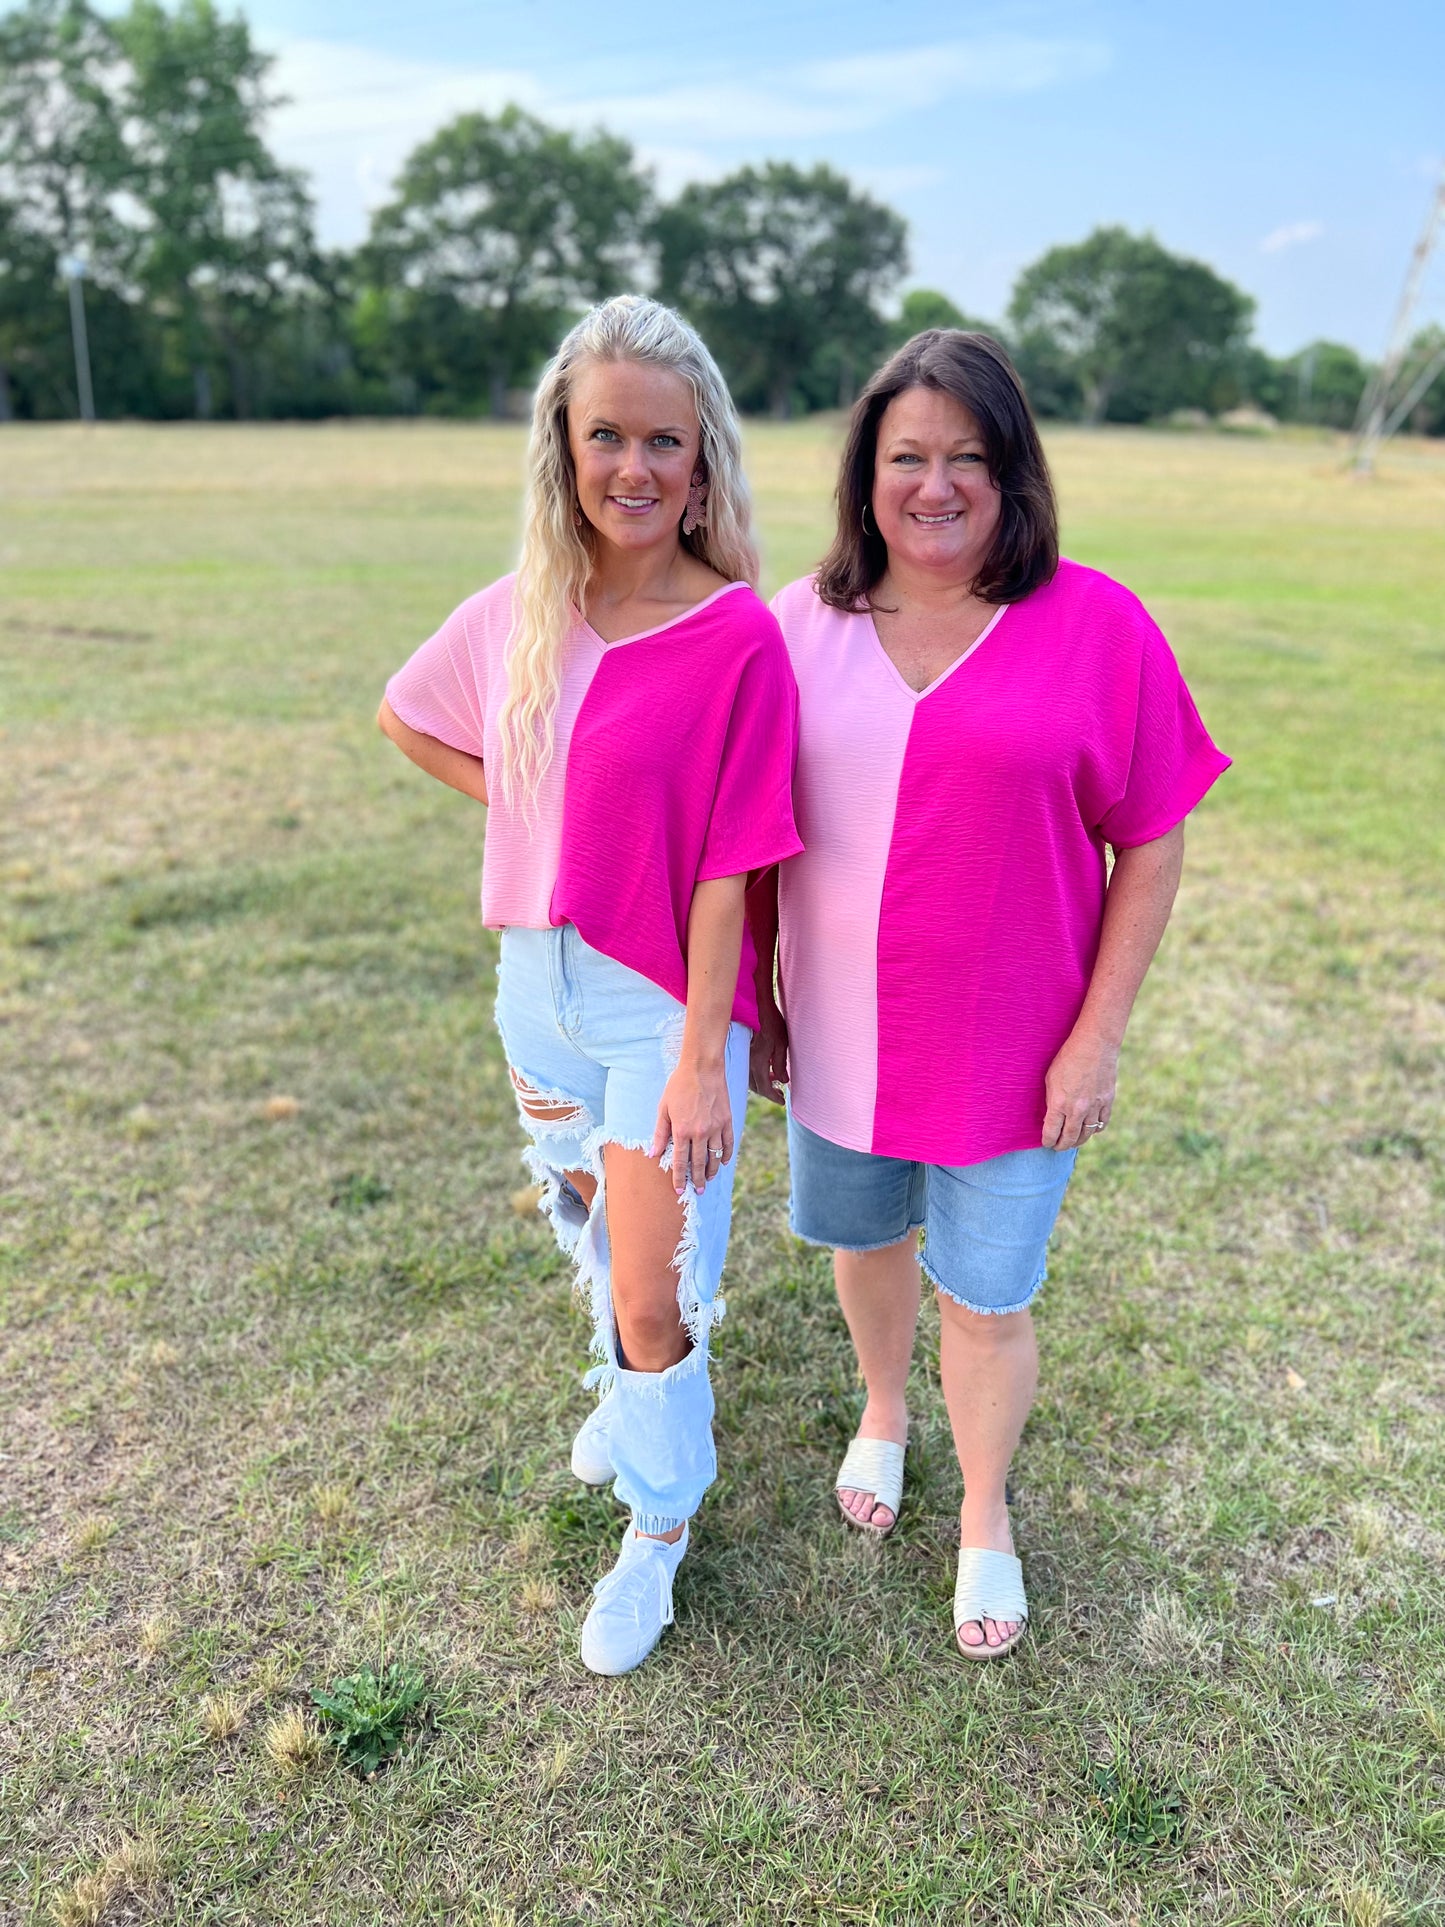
pixel 703 1060
pixel 1099 1034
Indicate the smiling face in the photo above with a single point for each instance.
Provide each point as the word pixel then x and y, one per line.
pixel 633 432
pixel 934 502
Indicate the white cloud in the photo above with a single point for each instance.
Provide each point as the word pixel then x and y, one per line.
pixel 353 115
pixel 995 64
pixel 1293 234
pixel 850 94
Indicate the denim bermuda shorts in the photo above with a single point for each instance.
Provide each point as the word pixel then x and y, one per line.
pixel 985 1227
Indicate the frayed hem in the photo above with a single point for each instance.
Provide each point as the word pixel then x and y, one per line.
pixel 654 1524
pixel 586 1244
pixel 568 1221
pixel 831 1244
pixel 982 1311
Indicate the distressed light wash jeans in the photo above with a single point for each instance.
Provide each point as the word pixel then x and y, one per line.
pixel 596 1043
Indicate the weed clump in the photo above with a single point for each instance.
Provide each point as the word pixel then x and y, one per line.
pixel 370 1712
pixel 358 1191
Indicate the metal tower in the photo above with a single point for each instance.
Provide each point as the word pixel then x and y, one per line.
pixel 1381 409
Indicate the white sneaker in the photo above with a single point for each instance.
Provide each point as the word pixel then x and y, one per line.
pixel 631 1606
pixel 591 1452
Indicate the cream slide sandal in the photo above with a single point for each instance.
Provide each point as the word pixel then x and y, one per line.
pixel 990 1585
pixel 876 1466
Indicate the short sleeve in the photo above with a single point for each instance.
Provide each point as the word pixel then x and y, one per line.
pixel 442 690
pixel 751 823
pixel 1173 762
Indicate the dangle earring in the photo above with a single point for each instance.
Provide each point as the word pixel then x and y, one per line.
pixel 695 516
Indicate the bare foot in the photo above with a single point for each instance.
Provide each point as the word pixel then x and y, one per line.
pixel 878 1422
pixel 987 1528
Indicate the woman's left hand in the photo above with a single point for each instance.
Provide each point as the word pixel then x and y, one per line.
pixel 1079 1089
pixel 696 1116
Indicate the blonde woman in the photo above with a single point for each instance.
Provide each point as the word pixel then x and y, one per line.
pixel 625 705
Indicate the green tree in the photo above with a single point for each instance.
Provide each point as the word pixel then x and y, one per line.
pixel 783 272
pixel 498 228
pixel 1268 383
pixel 30 315
pixel 1143 330
pixel 926 308
pixel 1423 377
pixel 1049 375
pixel 226 233
pixel 1325 383
pixel 63 169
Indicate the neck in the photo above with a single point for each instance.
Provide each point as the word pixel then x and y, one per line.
pixel 624 575
pixel 927 590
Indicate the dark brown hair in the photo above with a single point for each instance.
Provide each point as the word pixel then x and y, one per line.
pixel 976 372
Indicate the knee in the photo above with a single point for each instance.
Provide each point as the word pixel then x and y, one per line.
pixel 651 1334
pixel 647 1327
pixel 985 1330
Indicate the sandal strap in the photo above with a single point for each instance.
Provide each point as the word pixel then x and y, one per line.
pixel 990 1586
pixel 876 1466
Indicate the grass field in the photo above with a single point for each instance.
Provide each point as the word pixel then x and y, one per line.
pixel 289 1378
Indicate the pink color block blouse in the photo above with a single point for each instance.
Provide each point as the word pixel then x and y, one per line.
pixel 673 764
pixel 938 935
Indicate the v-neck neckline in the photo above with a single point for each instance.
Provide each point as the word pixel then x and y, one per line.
pixel 659 629
pixel 917 695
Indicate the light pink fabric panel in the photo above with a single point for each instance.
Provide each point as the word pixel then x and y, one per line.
pixel 452 689
pixel 853 735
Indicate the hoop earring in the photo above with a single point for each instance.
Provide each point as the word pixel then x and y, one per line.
pixel 863 520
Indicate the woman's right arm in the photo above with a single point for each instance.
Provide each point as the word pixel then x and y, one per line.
pixel 439 759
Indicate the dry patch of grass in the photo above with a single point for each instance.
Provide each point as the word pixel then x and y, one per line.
pixel 130 1873
pixel 293 1744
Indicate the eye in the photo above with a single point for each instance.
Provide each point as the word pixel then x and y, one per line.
pixel 969 457
pixel 667 441
pixel 604 435
pixel 900 459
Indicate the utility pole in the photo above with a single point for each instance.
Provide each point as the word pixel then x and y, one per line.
pixel 1376 404
pixel 72 266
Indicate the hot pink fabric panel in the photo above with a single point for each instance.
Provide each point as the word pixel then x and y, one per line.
pixel 673 764
pixel 1069 726
pixel 680 770
pixel 853 733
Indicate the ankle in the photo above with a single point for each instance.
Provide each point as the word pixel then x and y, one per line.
pixel 984 1520
pixel 884 1417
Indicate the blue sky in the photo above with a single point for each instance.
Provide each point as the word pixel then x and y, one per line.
pixel 1293 147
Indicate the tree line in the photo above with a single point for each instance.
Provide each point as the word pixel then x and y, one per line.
pixel 133 157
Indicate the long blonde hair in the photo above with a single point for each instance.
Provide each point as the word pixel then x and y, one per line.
pixel 557 553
